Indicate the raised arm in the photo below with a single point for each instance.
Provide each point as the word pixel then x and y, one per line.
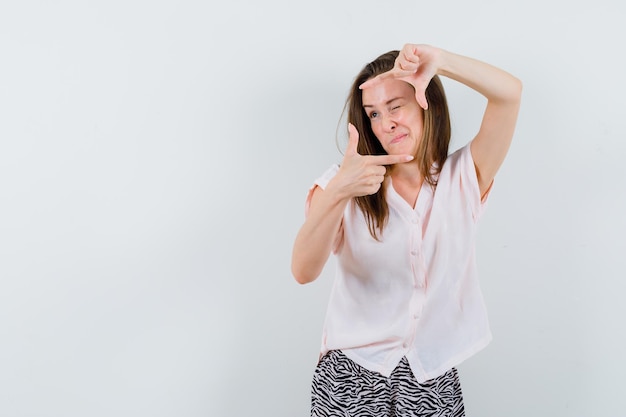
pixel 417 64
pixel 358 175
pixel 503 92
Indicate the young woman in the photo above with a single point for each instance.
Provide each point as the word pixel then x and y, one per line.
pixel 400 214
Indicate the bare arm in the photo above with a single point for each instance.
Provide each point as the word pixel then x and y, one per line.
pixel 315 238
pixel 358 175
pixel 503 92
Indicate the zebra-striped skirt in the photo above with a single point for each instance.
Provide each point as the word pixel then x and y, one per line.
pixel 343 388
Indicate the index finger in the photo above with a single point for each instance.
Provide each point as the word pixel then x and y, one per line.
pixel 390 159
pixel 372 82
pixel 353 140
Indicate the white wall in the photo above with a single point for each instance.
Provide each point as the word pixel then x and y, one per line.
pixel 154 158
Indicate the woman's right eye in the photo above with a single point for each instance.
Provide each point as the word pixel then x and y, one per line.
pixel 373 115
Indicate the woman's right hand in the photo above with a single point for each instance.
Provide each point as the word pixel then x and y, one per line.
pixel 361 175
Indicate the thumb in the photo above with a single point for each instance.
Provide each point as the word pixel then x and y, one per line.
pixel 353 140
pixel 420 96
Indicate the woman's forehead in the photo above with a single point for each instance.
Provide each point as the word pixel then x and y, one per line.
pixel 387 91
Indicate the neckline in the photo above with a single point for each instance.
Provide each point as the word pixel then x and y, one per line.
pixel 403 205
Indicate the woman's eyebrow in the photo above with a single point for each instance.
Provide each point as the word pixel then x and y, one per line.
pixel 386 103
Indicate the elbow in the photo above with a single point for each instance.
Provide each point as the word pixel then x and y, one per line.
pixel 516 90
pixel 302 280
pixel 510 92
pixel 511 96
pixel 302 274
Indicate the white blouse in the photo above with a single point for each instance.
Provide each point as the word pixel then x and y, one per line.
pixel 414 293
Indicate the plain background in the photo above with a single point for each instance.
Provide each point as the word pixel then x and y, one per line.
pixel 155 157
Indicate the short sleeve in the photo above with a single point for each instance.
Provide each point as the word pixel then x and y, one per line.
pixel 469 181
pixel 322 182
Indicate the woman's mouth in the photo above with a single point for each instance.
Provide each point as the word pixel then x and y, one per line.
pixel 398 139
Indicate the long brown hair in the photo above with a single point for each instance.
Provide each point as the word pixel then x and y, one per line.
pixel 431 152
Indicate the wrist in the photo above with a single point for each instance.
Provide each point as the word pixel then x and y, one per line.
pixel 443 59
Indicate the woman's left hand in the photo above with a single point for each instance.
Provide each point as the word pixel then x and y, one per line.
pixel 415 64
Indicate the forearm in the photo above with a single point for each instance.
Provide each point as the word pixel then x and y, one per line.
pixel 314 242
pixel 497 85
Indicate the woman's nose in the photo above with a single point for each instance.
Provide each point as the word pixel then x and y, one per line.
pixel 389 123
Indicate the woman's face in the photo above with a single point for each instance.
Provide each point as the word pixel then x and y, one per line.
pixel 396 118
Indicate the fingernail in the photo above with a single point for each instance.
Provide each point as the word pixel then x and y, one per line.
pixel 409 158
